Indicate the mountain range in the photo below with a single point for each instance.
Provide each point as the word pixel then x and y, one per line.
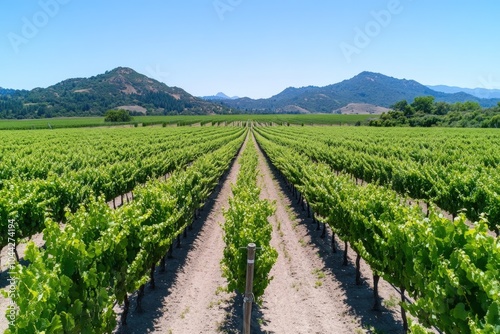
pixel 121 88
pixel 219 96
pixel 366 88
pixel 482 93
pixel 124 88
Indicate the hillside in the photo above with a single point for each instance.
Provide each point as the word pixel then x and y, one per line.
pixel 361 109
pixel 366 87
pixel 5 91
pixel 121 87
pixel 124 88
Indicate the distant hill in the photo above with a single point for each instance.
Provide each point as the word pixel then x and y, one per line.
pixel 367 88
pixel 219 96
pixel 482 93
pixel 121 87
pixel 6 91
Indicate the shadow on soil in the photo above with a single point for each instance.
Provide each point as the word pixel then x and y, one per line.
pixel 233 323
pixel 5 274
pixel 358 297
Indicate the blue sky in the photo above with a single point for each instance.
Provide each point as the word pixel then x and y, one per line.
pixel 250 48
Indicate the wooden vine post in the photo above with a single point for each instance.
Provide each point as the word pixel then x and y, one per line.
pixel 248 299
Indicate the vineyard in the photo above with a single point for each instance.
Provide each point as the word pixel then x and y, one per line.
pixel 451 270
pixel 140 121
pixel 418 208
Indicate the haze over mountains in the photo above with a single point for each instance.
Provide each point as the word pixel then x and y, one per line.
pixel 482 93
pixel 124 88
pixel 219 96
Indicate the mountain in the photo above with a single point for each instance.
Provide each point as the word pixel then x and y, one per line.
pixel 124 88
pixel 118 88
pixel 365 88
pixel 219 96
pixel 482 93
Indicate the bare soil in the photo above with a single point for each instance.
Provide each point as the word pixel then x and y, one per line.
pixel 362 109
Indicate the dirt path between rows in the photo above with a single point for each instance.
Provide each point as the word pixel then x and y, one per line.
pixel 311 291
pixel 190 296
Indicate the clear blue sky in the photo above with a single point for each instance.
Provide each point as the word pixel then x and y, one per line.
pixel 252 48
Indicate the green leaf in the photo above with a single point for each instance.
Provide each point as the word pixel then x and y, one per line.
pixel 459 312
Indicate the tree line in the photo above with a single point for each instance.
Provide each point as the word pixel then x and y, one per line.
pixel 425 111
pixel 47 104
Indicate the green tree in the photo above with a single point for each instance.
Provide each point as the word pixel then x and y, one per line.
pixel 495 122
pixel 404 107
pixel 400 106
pixel 466 106
pixel 117 115
pixel 441 108
pixel 471 106
pixel 423 104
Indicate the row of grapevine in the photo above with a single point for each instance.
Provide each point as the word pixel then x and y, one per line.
pixel 27 155
pixel 27 202
pixel 456 173
pixel 245 223
pixel 450 270
pixel 102 255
